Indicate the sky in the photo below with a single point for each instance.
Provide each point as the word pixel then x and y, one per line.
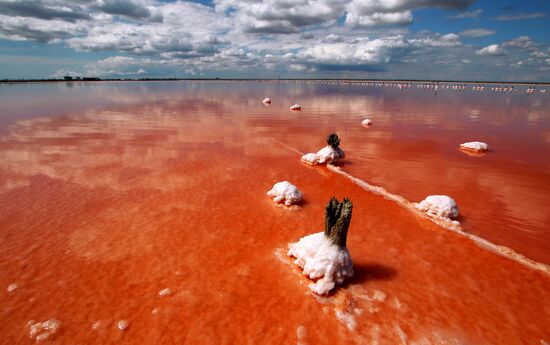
pixel 497 40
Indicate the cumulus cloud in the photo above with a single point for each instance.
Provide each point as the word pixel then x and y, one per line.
pixel 474 33
pixel 491 50
pixel 368 13
pixel 259 37
pixel 130 8
pixel 523 42
pixel 43 9
pixel 281 16
pixel 200 34
pixel 379 19
pixel 520 16
pixel 372 51
pixel 384 6
pixel 24 28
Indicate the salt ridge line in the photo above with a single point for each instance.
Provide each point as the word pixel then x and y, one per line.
pixel 444 223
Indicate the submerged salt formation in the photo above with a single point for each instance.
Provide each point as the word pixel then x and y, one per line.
pixel 266 101
pixel 285 192
pixel 327 154
pixel 296 107
pixel 439 205
pixel 40 331
pixel 366 122
pixel 324 256
pixel 475 146
pixel 122 325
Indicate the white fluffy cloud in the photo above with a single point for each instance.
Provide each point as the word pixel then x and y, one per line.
pixel 379 19
pixel 491 50
pixel 368 13
pixel 281 16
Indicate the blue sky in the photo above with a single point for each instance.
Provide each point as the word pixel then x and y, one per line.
pixel 389 39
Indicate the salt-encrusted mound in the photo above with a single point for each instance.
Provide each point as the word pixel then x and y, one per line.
pixel 285 191
pixel 439 205
pixel 310 158
pixel 366 122
pixel 327 154
pixel 475 146
pixel 330 154
pixel 323 260
pixel 266 101
pixel 296 107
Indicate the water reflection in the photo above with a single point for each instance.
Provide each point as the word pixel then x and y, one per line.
pixel 128 135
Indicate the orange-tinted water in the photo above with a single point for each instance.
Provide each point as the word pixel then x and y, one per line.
pixel 112 192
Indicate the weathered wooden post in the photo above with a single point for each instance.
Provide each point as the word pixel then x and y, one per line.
pixel 337 220
pixel 333 140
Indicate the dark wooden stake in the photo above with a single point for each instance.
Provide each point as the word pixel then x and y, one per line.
pixel 337 220
pixel 333 140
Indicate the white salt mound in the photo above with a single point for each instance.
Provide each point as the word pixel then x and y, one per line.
pixel 327 154
pixel 296 107
pixel 475 146
pixel 12 287
pixel 322 260
pixel 285 192
pixel 266 101
pixel 310 158
pixel 439 205
pixel 122 325
pixel 366 122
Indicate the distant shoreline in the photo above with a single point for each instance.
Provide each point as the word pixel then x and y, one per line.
pixel 352 81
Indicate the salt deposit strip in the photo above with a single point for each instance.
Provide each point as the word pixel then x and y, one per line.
pixel 443 222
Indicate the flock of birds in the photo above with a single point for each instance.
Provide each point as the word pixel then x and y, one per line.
pixel 435 86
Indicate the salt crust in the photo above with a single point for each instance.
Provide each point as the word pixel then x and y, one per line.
pixel 41 331
pixel 475 146
pixel 439 205
pixel 122 325
pixel 327 154
pixel 323 260
pixel 285 191
pixel 446 223
pixel 296 107
pixel 165 292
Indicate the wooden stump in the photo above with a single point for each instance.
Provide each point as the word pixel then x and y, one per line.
pixel 337 220
pixel 333 140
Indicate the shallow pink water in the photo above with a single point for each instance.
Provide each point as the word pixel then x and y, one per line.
pixel 112 192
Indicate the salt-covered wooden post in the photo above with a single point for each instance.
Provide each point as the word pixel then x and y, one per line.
pixel 337 219
pixel 328 154
pixel 323 256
